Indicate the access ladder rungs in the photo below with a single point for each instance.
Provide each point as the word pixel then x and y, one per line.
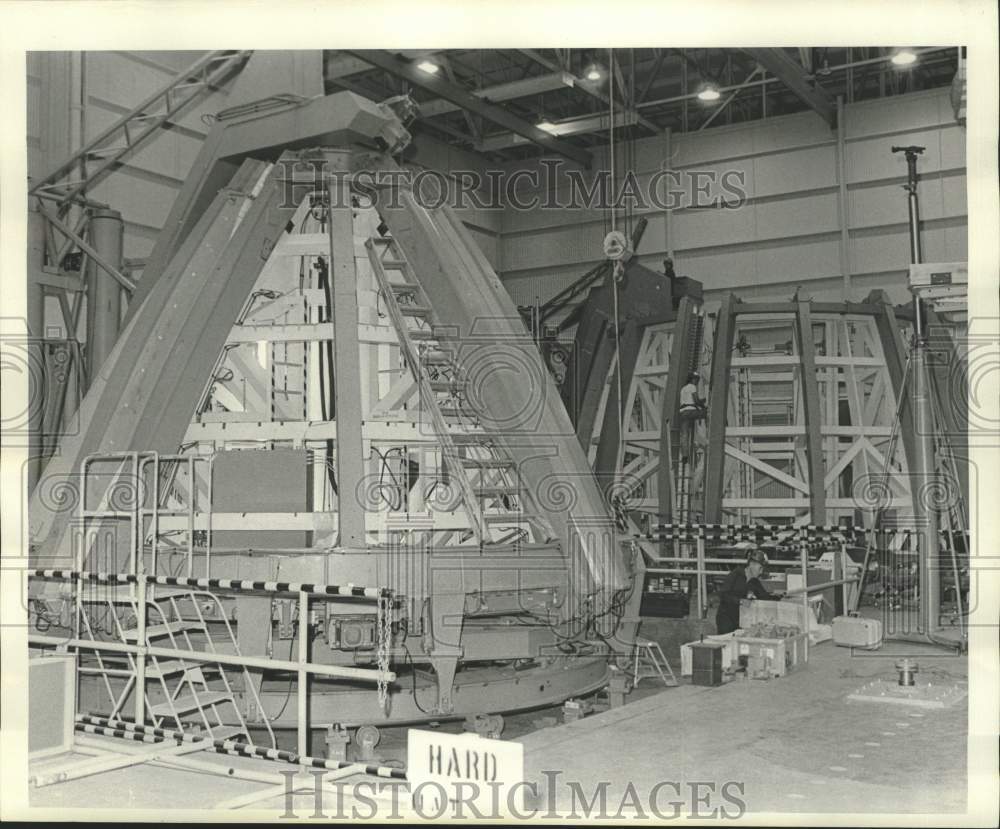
pixel 188 703
pixel 459 411
pixel 415 310
pixel 437 358
pixel 496 492
pixel 177 666
pixel 487 463
pixel 469 437
pixel 229 731
pixel 395 264
pixel 155 631
pixel 442 385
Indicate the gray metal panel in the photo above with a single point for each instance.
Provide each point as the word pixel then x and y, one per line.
pixel 260 481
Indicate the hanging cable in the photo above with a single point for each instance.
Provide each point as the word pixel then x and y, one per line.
pixel 617 267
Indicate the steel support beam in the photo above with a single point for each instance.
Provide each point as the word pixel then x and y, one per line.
pixel 795 77
pixel 813 416
pixel 718 402
pixel 466 100
pixel 103 292
pixel 347 365
pixel 504 92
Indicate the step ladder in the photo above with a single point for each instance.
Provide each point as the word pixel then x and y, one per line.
pixel 183 693
pixel 289 372
pixel 647 661
pixel 498 507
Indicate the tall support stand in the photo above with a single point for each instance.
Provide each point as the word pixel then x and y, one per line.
pixel 924 466
pixel 104 303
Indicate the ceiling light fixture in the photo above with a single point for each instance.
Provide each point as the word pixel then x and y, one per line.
pixel 548 126
pixel 428 67
pixel 904 57
pixel 709 93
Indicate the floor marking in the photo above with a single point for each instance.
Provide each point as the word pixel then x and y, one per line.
pixel 888 733
pixel 902 725
pixel 797 795
pixel 856 756
pixel 838 768
pixel 917 716
pixel 873 743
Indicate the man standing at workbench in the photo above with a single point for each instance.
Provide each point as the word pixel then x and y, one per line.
pixel 740 581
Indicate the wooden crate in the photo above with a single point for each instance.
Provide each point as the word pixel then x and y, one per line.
pixel 776 657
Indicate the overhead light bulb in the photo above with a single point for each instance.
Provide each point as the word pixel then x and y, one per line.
pixel 709 93
pixel 593 73
pixel 548 126
pixel 904 57
pixel 428 67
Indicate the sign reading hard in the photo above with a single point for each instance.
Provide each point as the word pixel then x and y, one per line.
pixel 464 776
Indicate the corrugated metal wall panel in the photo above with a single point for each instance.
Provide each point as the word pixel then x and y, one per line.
pixel 789 231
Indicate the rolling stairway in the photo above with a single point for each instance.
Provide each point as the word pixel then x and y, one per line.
pixel 498 507
pixel 181 692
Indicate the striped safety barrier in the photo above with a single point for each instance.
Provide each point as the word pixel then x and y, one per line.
pixel 91 724
pixel 218 584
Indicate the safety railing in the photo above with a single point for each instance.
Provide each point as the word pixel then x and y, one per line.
pixel 141 650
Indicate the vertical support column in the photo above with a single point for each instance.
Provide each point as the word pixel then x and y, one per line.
pixel 103 292
pixel 814 417
pixel 347 367
pixel 668 230
pixel 806 612
pixel 141 644
pixel 302 720
pixel 718 402
pixel 895 352
pixel 843 213
pixel 702 593
pixel 36 353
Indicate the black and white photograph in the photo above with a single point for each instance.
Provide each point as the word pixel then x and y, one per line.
pixel 570 413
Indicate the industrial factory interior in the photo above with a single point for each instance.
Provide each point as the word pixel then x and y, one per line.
pixel 490 433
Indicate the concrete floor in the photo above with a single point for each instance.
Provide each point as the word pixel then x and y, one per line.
pixel 796 744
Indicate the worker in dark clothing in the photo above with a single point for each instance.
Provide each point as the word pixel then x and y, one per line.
pixel 740 581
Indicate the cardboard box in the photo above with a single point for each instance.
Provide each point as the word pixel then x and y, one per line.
pixel 786 612
pixel 728 652
pixel 774 657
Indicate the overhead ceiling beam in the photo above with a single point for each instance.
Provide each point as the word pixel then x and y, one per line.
pixel 341 65
pixel 589 88
pixel 794 76
pixel 504 92
pixel 574 126
pixel 464 99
